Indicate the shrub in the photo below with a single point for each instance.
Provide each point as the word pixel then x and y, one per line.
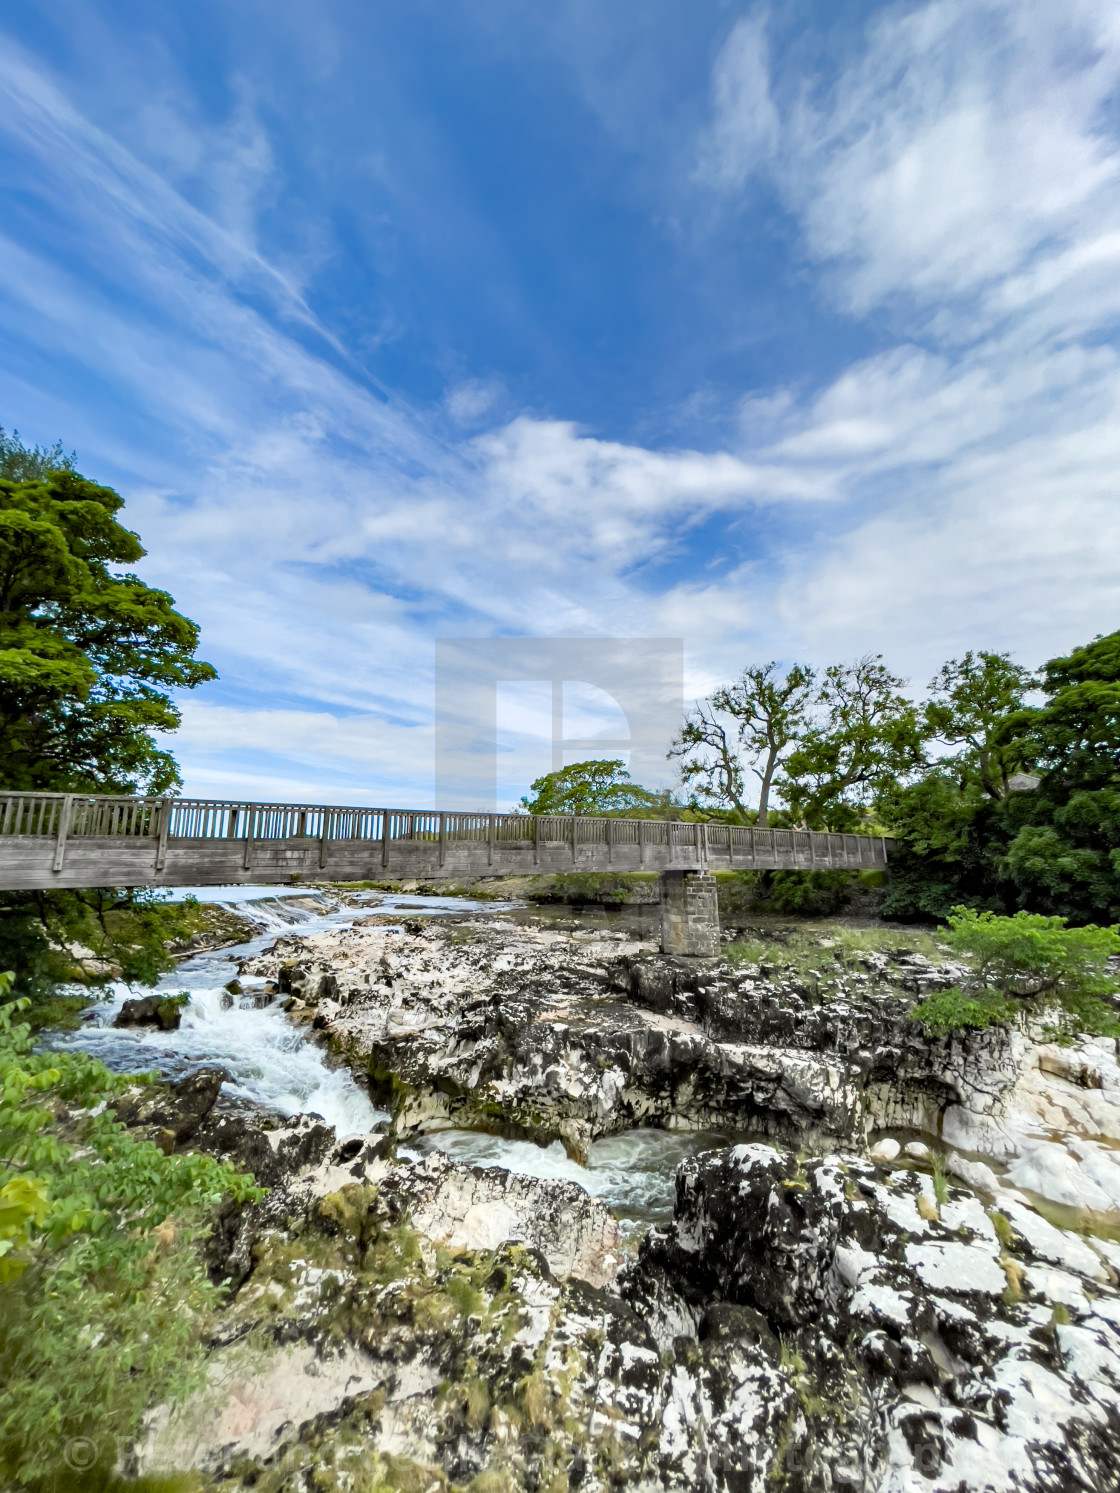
pixel 814 894
pixel 104 1293
pixel 1026 962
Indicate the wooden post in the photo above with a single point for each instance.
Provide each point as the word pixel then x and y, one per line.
pixel 442 836
pixel 324 830
pixel 63 831
pixel 164 831
pixel 575 832
pixel 385 817
pixel 641 842
pixel 536 839
pixel 490 840
pixel 251 815
pixel 610 842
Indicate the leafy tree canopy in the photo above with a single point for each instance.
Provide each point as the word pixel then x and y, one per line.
pixel 596 787
pixel 964 837
pixel 87 654
pixel 1026 960
pixel 866 736
pixel 88 657
pixel 743 729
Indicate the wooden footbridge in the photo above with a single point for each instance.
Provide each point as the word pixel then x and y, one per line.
pixel 71 840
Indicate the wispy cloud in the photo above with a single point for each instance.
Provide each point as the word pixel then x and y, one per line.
pixel 951 188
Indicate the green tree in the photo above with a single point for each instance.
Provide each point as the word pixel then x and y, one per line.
pixel 597 787
pixel 971 699
pixel 1064 850
pixel 865 738
pixel 743 729
pixel 1026 960
pixel 88 656
pixel 964 837
pixel 20 463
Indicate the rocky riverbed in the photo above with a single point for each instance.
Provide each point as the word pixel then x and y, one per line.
pixel 902 1275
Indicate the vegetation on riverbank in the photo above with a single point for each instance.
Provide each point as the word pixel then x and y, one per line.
pixel 89 656
pixel 1001 788
pixel 104 1294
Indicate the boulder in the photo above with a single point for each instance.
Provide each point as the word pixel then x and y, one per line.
pixel 160 1011
pixel 481 1208
pixel 175 1110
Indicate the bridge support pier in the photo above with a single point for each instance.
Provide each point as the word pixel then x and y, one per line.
pixel 689 913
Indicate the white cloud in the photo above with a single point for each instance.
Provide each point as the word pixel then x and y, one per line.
pixel 469 401
pixel 745 126
pixel 962 172
pixel 956 488
pixel 969 137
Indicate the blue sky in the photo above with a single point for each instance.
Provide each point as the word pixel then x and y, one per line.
pixel 790 332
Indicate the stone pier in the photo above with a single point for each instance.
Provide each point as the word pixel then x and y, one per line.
pixel 689 913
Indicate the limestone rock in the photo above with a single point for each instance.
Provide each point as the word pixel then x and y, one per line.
pixel 178 1109
pixel 150 1010
pixel 480 1208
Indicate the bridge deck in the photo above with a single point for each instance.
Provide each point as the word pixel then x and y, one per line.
pixel 68 840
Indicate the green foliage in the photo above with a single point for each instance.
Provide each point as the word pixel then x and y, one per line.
pixel 965 838
pixel 20 463
pixel 600 787
pixel 745 727
pixel 812 894
pixel 970 699
pixel 89 656
pixel 126 935
pixel 104 1293
pixel 865 738
pixel 579 887
pixel 86 654
pixel 1026 958
pixel 951 1010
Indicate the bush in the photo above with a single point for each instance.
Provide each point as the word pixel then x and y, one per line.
pixel 577 888
pixel 1026 962
pixel 808 894
pixel 104 1294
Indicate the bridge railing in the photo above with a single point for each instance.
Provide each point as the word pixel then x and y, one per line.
pixel 61 816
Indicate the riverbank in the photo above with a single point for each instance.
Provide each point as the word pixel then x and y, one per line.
pixel 728 1224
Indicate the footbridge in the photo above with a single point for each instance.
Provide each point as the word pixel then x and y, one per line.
pixel 70 840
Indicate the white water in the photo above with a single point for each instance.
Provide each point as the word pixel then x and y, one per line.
pixel 632 1173
pixel 270 1061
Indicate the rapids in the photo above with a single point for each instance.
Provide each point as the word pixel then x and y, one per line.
pixel 276 1066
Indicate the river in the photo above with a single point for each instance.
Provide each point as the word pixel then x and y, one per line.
pixel 275 1065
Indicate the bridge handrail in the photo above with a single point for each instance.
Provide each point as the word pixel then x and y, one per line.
pixel 64 816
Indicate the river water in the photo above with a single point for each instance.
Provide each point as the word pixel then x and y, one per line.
pixel 273 1063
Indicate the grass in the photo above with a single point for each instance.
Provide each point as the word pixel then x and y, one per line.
pixel 940 1183
pixel 824 950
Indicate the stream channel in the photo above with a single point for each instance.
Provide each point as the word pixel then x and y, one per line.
pixel 276 1066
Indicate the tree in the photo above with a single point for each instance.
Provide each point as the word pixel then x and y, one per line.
pixel 1064 852
pixel 20 463
pixel 866 737
pixel 87 657
pixel 964 838
pixel 970 701
pixel 596 787
pixel 87 654
pixel 745 727
pixel 1024 960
